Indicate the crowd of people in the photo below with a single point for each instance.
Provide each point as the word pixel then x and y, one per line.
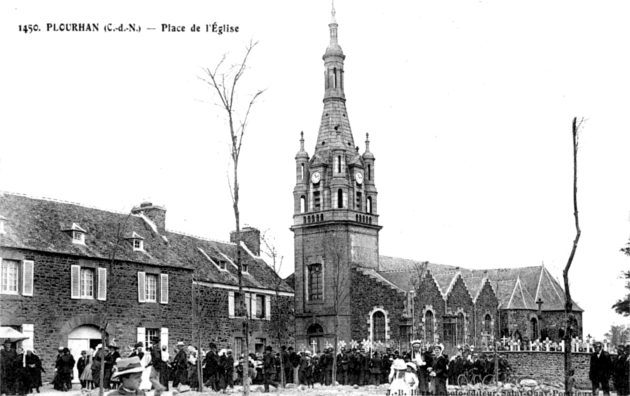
pixel 422 370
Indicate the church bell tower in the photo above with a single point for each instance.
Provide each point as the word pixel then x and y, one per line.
pixel 335 220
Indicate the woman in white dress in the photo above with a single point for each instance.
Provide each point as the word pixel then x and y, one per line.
pixel 398 385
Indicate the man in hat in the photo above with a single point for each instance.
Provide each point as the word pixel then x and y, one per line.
pixel 343 362
pixel 110 362
pixel 621 370
pixel 286 364
pixel 138 350
pixel 130 374
pixel 211 368
pixel 269 368
pixel 600 370
pixel 156 366
pixel 65 368
pixel 229 369
pixel 180 365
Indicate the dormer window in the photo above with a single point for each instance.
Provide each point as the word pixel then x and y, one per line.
pixel 78 237
pixel 137 242
pixel 222 264
pixel 75 232
pixel 245 268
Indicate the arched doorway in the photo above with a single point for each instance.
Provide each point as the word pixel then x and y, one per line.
pixel 82 338
pixel 315 334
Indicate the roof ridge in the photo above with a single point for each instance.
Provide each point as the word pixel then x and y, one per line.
pixel 56 200
pixel 199 237
pixel 379 278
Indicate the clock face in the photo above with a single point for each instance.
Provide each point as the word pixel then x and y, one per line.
pixel 316 177
pixel 359 177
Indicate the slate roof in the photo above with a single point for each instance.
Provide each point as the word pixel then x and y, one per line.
pixel 516 288
pixel 38 224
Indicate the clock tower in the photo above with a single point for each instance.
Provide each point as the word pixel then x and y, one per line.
pixel 335 220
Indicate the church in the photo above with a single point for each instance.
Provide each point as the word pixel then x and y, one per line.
pixel 344 287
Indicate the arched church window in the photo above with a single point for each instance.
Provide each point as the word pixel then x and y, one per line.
pixel 429 335
pixel 340 198
pixel 487 324
pixel 315 282
pixel 535 334
pixel 302 204
pixel 369 205
pixel 461 332
pixel 378 326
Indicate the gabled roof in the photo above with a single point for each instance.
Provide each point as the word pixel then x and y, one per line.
pixel 36 224
pixel 526 284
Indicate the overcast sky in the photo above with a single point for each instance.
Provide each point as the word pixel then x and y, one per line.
pixel 468 105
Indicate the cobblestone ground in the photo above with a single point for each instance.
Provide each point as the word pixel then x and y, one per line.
pixel 506 389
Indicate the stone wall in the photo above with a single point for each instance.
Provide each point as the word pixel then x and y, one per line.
pixel 549 366
pixel 54 314
pixel 486 304
pixel 429 297
pixel 368 293
pixel 217 326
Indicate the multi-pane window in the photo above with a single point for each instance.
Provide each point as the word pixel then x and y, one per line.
pixel 149 334
pixel 359 201
pixel 378 326
pixel 86 283
pixel 317 205
pixel 244 267
pixel 137 244
pixel 78 237
pixel 260 306
pixel 151 288
pixel 10 276
pixel 315 282
pixel 240 307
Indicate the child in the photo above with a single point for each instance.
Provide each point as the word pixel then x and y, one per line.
pixel 130 373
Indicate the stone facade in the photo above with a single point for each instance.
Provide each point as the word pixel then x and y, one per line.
pixel 54 314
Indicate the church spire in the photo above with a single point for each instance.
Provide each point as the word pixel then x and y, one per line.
pixel 334 128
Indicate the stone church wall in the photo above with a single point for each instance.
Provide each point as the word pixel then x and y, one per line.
pixel 460 300
pixel 429 297
pixel 368 293
pixel 486 303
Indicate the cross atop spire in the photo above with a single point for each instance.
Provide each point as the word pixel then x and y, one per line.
pixel 333 12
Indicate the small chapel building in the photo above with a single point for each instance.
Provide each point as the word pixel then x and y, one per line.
pixel 344 287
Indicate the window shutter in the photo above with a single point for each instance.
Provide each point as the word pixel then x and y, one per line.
pixel 29 331
pixel 267 307
pixel 141 288
pixel 253 296
pixel 102 284
pixel 231 304
pixel 164 288
pixel 164 337
pixel 141 335
pixel 75 275
pixel 1 274
pixel 27 277
pixel 247 304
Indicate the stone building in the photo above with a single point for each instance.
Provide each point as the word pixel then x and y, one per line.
pixel 344 287
pixel 67 270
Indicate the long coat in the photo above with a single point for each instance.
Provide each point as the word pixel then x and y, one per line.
pixel 601 367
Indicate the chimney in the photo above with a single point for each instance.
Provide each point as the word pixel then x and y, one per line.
pixel 156 214
pixel 251 237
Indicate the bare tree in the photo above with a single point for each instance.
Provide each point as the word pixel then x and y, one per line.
pixel 223 80
pixel 340 285
pixel 278 326
pixel 568 308
pixel 417 284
